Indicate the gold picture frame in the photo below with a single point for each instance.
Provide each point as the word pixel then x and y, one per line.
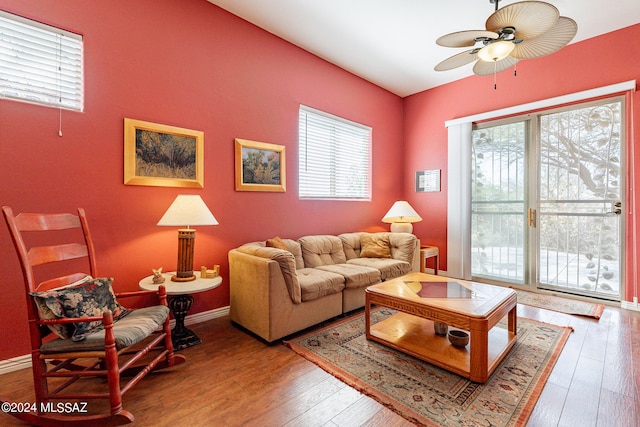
pixel 260 166
pixel 162 156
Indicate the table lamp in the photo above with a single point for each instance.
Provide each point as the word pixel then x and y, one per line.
pixel 401 215
pixel 185 211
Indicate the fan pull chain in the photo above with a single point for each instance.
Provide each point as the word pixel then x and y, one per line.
pixel 495 75
pixel 515 70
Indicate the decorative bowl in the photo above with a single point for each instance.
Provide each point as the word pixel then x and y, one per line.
pixel 458 339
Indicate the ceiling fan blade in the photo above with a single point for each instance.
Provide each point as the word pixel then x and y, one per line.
pixel 529 18
pixel 455 61
pixel 483 68
pixel 464 38
pixel 551 41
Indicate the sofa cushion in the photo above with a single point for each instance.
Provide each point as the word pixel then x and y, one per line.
pixel 285 260
pixel 388 267
pixel 355 276
pixel 375 246
pixel 316 283
pixel 402 245
pixel 138 324
pixel 322 250
pixel 296 250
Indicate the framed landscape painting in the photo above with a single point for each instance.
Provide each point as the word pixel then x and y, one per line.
pixel 161 155
pixel 259 166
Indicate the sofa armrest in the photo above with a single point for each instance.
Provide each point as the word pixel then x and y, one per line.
pixel 286 262
pixel 406 247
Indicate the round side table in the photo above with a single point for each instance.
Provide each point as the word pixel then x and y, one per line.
pixel 180 303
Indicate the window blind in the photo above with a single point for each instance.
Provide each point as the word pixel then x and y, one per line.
pixel 334 157
pixel 40 63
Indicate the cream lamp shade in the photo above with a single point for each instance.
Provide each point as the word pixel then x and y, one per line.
pixel 400 216
pixel 185 211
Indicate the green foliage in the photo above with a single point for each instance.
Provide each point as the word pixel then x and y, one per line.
pixel 164 155
pixel 261 167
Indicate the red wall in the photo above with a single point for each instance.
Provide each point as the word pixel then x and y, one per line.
pixel 193 65
pixel 608 59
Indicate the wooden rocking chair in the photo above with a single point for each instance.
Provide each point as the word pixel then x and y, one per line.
pixel 96 337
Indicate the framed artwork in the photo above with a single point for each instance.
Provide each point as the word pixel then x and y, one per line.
pixel 162 156
pixel 259 166
pixel 428 181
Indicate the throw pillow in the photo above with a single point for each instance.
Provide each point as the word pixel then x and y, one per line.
pixel 375 246
pixel 91 298
pixel 277 242
pixel 45 313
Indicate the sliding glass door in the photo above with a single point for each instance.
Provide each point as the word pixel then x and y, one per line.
pixel 546 201
pixel 498 202
pixel 580 205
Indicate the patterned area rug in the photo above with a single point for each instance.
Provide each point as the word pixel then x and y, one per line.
pixel 562 305
pixel 426 394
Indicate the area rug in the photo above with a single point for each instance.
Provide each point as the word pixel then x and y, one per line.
pixel 562 305
pixel 427 395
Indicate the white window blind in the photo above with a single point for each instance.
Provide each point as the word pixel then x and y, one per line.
pixel 40 63
pixel 334 157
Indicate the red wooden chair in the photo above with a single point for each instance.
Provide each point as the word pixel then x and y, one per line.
pixel 79 313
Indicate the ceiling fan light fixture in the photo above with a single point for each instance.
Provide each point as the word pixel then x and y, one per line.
pixel 496 51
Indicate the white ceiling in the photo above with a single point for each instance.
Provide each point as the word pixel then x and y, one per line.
pixel 392 42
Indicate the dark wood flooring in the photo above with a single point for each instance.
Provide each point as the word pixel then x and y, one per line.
pixel 234 379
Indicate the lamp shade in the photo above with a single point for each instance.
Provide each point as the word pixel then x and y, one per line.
pixel 401 211
pixel 187 210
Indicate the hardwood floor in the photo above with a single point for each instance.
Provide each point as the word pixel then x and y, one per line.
pixel 234 379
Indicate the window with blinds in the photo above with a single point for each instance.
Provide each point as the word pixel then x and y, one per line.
pixel 334 157
pixel 39 63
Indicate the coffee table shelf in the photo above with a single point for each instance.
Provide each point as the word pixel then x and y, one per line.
pixel 415 336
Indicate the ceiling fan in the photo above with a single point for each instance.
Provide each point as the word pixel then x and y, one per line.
pixel 523 30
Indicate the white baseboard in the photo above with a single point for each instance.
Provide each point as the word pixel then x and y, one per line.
pixel 24 362
pixel 628 305
pixel 15 364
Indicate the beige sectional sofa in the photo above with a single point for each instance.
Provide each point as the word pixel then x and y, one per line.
pixel 281 286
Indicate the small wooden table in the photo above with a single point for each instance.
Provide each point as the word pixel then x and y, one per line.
pixel 427 252
pixel 422 299
pixel 180 303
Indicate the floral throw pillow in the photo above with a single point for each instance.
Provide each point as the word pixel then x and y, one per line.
pixel 91 298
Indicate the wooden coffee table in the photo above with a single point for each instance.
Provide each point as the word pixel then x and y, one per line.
pixel 421 299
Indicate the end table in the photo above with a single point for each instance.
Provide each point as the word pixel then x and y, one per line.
pixel 428 252
pixel 181 302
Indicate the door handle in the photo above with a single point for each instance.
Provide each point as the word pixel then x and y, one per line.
pixel 616 208
pixel 532 217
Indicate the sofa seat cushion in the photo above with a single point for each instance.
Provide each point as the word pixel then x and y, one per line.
pixel 316 283
pixel 388 267
pixel 355 276
pixel 133 328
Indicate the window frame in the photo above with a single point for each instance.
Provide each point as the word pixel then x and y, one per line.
pixel 53 74
pixel 361 133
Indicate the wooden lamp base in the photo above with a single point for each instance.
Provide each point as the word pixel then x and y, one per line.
pixel 186 246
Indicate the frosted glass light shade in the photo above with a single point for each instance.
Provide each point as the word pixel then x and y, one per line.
pixel 496 51
pixel 187 210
